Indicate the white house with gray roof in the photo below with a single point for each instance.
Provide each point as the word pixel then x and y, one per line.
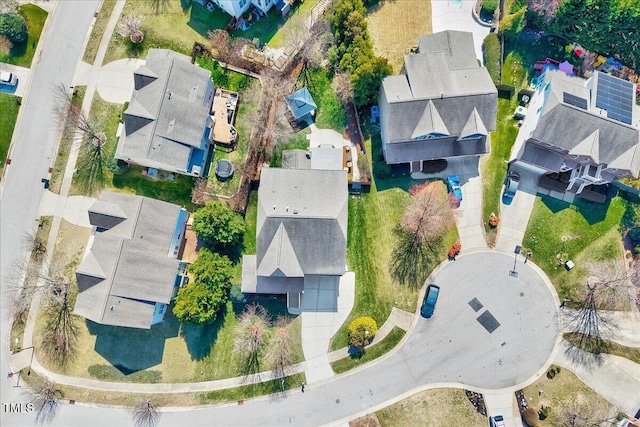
pixel 443 105
pixel 301 238
pixel 130 271
pixel 586 133
pixel 167 122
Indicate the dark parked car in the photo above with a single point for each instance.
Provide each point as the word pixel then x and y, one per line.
pixel 510 188
pixel 429 302
pixel 453 185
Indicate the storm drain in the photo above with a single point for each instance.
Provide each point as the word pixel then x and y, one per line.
pixel 475 304
pixel 489 322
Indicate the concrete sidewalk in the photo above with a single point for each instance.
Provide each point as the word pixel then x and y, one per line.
pixel 614 378
pixel 73 209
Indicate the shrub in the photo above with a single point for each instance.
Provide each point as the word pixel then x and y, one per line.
pixel 634 234
pixel 544 412
pixel 494 220
pixel 491 48
pixel 511 26
pixel 13 27
pixel 117 166
pixel 530 416
pixel 489 6
pixel 361 331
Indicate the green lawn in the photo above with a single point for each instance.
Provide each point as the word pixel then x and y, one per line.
pixel 330 113
pixel 494 170
pixel 225 78
pixel 371 353
pixel 174 28
pixel 582 232
pixel 64 147
pixel 98 31
pixel 21 54
pixel 9 105
pixel 250 220
pixel 608 347
pixel 372 219
pixel 169 351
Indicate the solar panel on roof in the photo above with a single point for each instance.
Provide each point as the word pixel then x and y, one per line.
pixel 576 101
pixel 616 96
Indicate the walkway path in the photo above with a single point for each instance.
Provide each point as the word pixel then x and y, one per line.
pixel 114 81
pixel 73 209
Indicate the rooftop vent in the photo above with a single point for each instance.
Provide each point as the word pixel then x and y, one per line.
pixel 295 211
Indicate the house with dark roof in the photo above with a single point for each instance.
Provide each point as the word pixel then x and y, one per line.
pixel 167 123
pixel 301 238
pixel 302 106
pixel 442 105
pixel 586 133
pixel 131 268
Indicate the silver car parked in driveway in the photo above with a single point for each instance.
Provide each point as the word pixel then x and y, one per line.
pixel 7 78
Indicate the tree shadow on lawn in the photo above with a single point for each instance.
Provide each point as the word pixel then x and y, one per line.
pixel 276 305
pixel 131 349
pixel 200 338
pixel 590 211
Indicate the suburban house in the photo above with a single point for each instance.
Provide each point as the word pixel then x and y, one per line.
pixel 167 122
pixel 301 238
pixel 236 8
pixel 442 106
pixel 582 134
pixel 302 106
pixel 131 268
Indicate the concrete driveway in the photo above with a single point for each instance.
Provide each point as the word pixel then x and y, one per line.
pixel 468 215
pixel 113 81
pixel 23 74
pixel 457 15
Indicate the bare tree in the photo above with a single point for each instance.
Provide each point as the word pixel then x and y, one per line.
pixel 583 412
pixel 343 87
pixel 429 213
pixel 130 24
pixel 45 399
pixel 251 338
pixel 296 32
pixel 145 414
pixel 35 245
pixel 280 352
pixel 5 45
pixel 9 6
pixel 609 287
pixel 61 330
pixel 409 263
pixel 220 43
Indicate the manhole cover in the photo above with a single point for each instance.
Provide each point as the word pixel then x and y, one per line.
pixel 521 294
pixel 475 304
pixel 489 322
pixel 337 400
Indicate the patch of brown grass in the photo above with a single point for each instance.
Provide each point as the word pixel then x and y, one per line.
pixel 395 25
pixel 432 408
pixel 560 393
pixel 369 420
pixel 72 239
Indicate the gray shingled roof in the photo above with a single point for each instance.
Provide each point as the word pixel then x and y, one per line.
pixel 128 264
pixel 444 76
pixel 540 156
pixel 431 149
pixel 168 110
pixel 567 127
pixel 302 222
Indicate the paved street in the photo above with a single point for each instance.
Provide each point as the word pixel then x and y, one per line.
pixel 35 141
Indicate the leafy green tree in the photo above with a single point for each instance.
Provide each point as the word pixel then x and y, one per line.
pixel 199 301
pixel 197 304
pixel 489 6
pixel 367 78
pixel 13 27
pixel 511 26
pixel 218 226
pixel 491 49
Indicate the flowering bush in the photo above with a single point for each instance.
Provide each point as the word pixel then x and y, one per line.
pixel 494 220
pixel 361 331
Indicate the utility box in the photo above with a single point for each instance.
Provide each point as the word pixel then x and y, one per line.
pixel 569 265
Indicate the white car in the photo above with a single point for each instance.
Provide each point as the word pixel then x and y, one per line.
pixel 496 421
pixel 7 78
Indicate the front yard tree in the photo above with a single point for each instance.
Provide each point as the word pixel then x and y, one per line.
pixel 45 398
pixel 218 226
pixel 582 411
pixel 61 330
pixel 421 227
pixel 199 301
pixel 361 331
pixel 609 287
pixel 129 26
pixel 280 352
pixel 13 27
pixel 251 338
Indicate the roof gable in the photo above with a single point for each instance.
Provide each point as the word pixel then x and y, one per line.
pixel 590 146
pixel 430 123
pixel 280 258
pixel 474 126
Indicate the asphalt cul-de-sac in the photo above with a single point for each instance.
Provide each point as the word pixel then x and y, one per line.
pixel 490 329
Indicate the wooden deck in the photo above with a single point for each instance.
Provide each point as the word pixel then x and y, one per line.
pixel 224 112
